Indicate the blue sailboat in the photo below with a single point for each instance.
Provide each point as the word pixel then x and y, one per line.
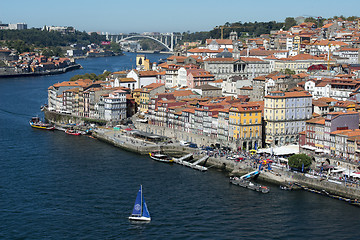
pixel 140 211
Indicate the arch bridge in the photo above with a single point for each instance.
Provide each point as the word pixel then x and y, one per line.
pixel 168 40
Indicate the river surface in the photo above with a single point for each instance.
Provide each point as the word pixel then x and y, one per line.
pixel 57 186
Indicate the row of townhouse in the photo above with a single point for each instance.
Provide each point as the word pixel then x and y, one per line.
pixel 337 88
pixel 276 121
pixel 220 120
pixel 85 98
pixel 186 76
pixel 337 134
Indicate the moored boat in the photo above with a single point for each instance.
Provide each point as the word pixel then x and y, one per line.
pixel 36 123
pixel 250 185
pixel 158 156
pixel 72 132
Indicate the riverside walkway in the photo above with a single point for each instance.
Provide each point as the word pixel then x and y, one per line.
pixel 278 175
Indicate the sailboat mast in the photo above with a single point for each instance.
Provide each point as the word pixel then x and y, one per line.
pixel 141 210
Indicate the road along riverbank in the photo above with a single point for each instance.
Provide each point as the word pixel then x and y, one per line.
pixel 42 73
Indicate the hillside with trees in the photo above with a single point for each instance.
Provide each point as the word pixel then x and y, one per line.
pixel 29 39
pixel 254 29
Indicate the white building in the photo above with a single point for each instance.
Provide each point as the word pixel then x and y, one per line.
pixel 181 79
pixel 336 90
pixel 144 78
pixel 115 106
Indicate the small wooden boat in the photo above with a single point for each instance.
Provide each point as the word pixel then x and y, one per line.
pixel 72 132
pixel 36 123
pixel 157 156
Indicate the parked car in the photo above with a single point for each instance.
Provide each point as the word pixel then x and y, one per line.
pixel 208 149
pixel 184 143
pixel 193 145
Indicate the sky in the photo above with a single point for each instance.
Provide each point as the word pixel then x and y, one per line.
pixel 119 16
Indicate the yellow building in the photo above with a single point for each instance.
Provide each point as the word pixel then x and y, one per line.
pixel 275 113
pixel 136 95
pixel 144 100
pixel 142 63
pixel 245 125
pixel 147 93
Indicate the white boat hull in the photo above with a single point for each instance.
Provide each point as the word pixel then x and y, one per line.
pixel 167 160
pixel 141 219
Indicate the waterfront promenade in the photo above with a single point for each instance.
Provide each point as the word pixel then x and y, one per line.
pixel 279 174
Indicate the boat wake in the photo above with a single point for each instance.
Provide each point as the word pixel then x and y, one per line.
pixel 15 113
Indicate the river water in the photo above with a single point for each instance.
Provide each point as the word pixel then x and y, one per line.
pixel 57 186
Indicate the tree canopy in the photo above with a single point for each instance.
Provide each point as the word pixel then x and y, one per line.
pixel 299 160
pixel 91 76
pixel 28 39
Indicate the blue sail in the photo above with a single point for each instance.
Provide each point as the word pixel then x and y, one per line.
pixel 145 210
pixel 137 205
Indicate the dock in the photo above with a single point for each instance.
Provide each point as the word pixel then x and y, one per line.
pixel 194 165
pixel 250 175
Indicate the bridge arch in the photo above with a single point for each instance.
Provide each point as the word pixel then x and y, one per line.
pixel 141 36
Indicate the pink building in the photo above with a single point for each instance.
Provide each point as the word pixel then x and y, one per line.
pixel 198 77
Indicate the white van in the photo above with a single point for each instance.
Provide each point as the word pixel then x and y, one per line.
pixel 183 143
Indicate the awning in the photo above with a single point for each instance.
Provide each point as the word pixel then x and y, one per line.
pixel 310 147
pixel 355 174
pixel 283 150
pixel 286 150
pixel 338 170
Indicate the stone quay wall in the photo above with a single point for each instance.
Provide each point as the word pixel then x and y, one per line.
pixel 284 177
pixel 200 140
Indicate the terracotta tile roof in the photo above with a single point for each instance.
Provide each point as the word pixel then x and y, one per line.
pixel 190 110
pixel 319 103
pixel 119 72
pixel 148 73
pixel 199 73
pixel 183 93
pixel 80 82
pixel 218 81
pixel 245 107
pixel 318 120
pixel 315 115
pixel 289 94
pixel 246 88
pixel 344 103
pixel 154 85
pixel 271 57
pixel 327 99
pixel 349 132
pixel 220 60
pixel 300 57
pixel 261 78
pixel 126 80
pixel 220 41
pixel 327 25
pixel 251 59
pixel 181 58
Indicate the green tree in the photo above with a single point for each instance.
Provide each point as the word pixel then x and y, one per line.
pixel 288 71
pixel 289 22
pixel 299 160
pixel 91 76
